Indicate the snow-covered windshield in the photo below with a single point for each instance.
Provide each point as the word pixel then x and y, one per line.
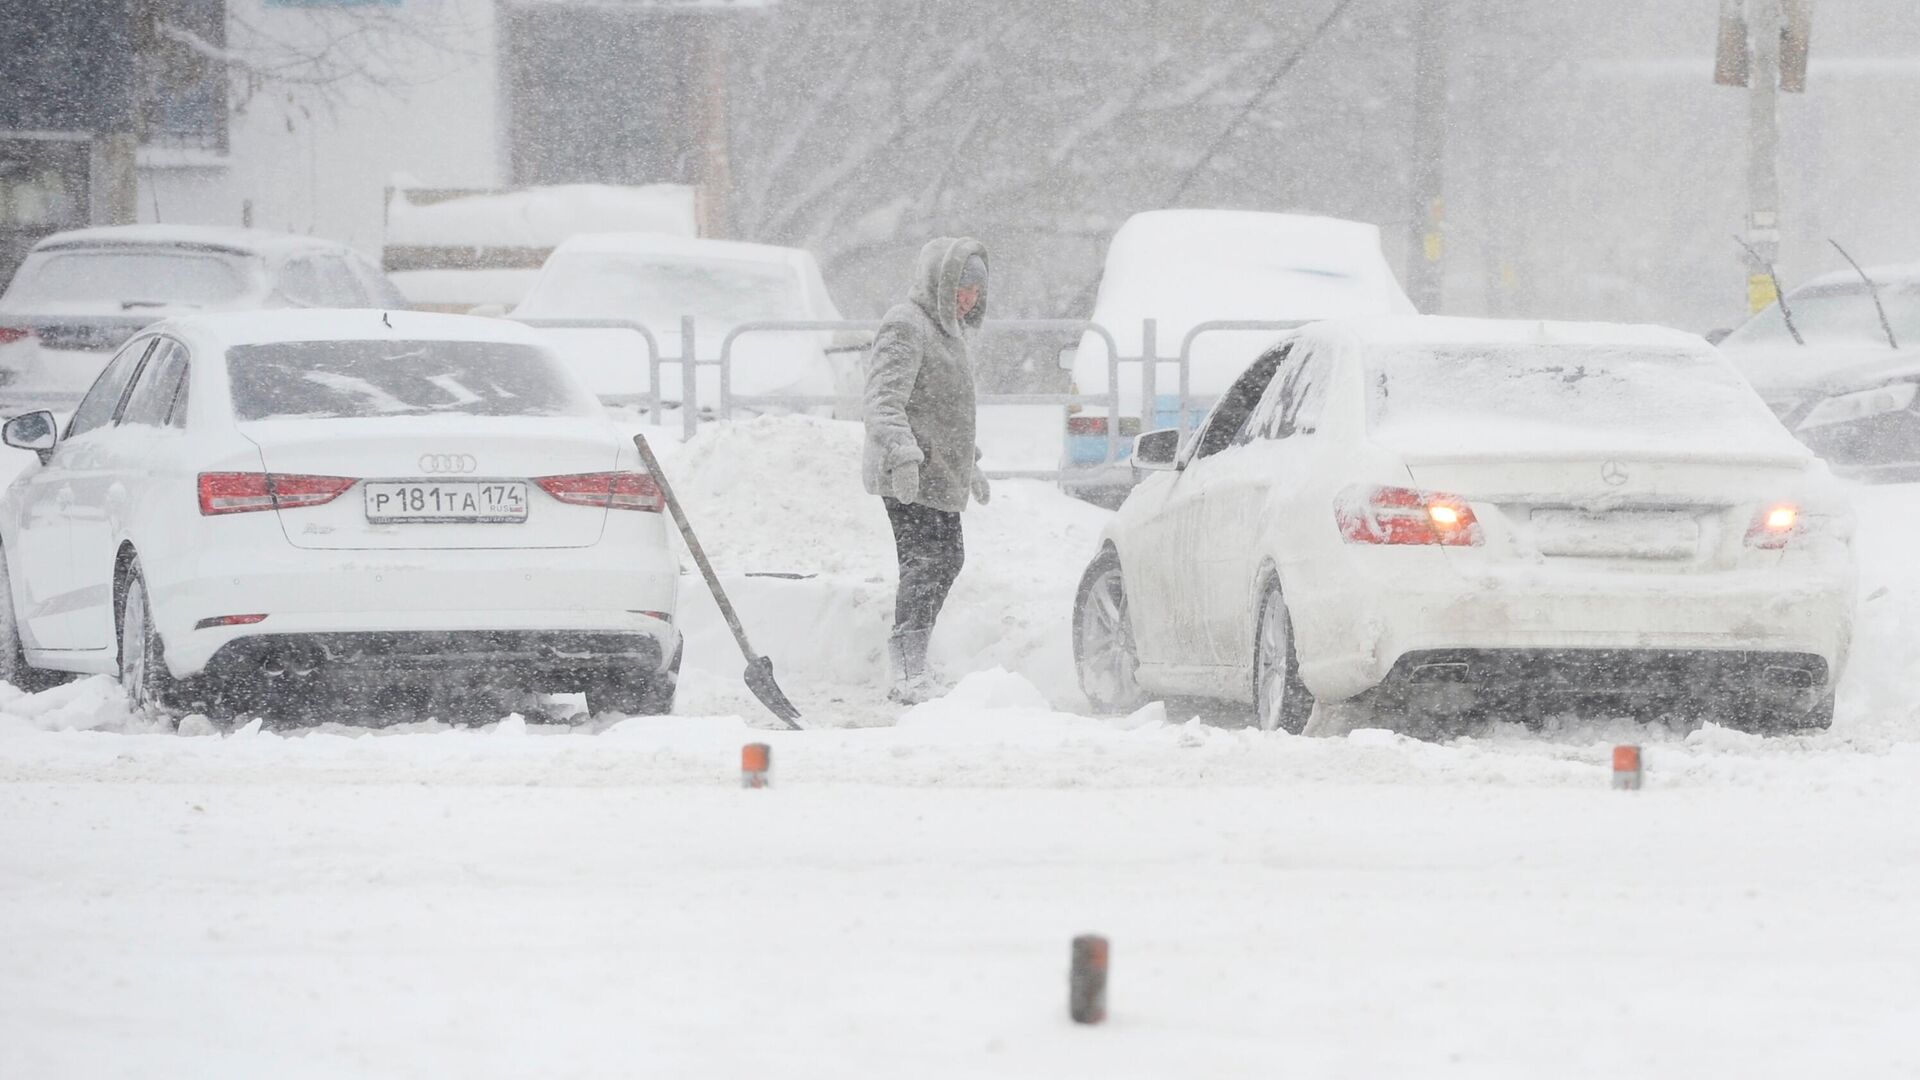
pixel 116 281
pixel 1542 395
pixel 326 380
pixel 658 290
pixel 1837 314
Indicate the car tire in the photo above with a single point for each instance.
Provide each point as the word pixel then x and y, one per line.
pixel 1104 655
pixel 13 652
pixel 1281 702
pixel 631 695
pixel 149 688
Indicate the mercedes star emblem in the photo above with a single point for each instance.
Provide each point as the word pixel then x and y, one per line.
pixel 1613 473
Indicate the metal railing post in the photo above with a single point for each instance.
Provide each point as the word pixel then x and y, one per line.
pixel 1149 374
pixel 689 379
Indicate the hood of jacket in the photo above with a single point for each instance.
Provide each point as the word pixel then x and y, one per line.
pixel 936 274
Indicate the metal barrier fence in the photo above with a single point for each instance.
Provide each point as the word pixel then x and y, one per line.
pixel 1149 359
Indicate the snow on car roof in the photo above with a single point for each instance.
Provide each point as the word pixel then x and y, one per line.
pixel 228 329
pixel 242 241
pixel 645 243
pixel 1448 330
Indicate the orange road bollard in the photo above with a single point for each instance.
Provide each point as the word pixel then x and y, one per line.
pixel 756 765
pixel 1626 768
pixel 1087 986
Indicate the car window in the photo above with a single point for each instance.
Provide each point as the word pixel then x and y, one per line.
pixel 1303 394
pixel 320 281
pixel 127 279
pixel 101 402
pixel 382 292
pixel 159 394
pixel 1230 417
pixel 1266 415
pixel 332 380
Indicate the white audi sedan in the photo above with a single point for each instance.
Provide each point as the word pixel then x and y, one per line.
pixel 1465 517
pixel 260 510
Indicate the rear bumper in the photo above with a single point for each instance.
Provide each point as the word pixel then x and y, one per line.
pixel 1544 678
pixel 1356 635
pixel 477 606
pixel 553 661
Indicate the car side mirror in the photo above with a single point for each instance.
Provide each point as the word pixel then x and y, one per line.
pixel 1715 337
pixel 1067 357
pixel 35 431
pixel 1156 449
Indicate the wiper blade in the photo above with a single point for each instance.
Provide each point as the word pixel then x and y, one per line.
pixel 1779 293
pixel 1873 290
pixel 129 305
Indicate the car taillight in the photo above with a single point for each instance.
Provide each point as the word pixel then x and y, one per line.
pixel 613 490
pixel 1774 526
pixel 1396 515
pixel 11 334
pixel 240 493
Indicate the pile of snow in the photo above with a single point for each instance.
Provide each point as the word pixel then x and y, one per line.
pixel 783 496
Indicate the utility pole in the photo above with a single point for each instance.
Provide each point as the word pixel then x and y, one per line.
pixel 1763 150
pixel 1426 218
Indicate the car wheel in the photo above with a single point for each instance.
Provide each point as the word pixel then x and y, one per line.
pixel 1103 647
pixel 13 653
pixel 1280 700
pixel 143 666
pixel 629 695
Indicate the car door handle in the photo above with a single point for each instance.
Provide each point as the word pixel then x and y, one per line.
pixel 65 497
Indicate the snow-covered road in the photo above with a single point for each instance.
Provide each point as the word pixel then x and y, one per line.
pixel 602 899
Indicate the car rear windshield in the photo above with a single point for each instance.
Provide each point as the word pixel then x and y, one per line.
pixel 327 380
pixel 1427 394
pixel 116 281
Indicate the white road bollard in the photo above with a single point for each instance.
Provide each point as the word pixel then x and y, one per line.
pixel 1087 985
pixel 756 765
pixel 1627 770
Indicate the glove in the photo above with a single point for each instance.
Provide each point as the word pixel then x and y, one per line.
pixel 982 491
pixel 905 481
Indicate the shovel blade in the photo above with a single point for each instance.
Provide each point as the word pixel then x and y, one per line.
pixel 760 680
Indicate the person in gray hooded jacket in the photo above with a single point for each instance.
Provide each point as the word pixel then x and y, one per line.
pixel 921 457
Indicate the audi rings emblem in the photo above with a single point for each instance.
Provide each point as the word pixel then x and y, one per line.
pixel 442 464
pixel 1613 473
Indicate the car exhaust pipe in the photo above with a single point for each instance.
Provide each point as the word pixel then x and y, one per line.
pixel 1451 671
pixel 1788 678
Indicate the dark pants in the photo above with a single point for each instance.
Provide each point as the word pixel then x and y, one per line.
pixel 928 544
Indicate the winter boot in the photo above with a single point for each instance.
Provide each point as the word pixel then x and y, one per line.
pixel 908 651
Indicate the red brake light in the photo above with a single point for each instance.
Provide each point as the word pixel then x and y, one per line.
pixel 613 490
pixel 240 493
pixel 1774 526
pixel 1086 425
pixel 1396 515
pixel 229 620
pixel 11 334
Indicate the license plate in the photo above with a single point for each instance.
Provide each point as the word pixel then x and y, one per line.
pixel 1624 534
pixel 437 500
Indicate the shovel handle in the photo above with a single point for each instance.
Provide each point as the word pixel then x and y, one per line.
pixel 693 545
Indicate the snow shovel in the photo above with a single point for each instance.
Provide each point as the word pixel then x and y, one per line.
pixel 759 669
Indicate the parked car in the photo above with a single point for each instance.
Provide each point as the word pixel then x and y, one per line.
pixel 1184 268
pixel 1848 392
pixel 79 295
pixel 1467 515
pixel 270 507
pixel 656 280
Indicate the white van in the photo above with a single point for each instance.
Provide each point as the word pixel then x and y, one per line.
pixel 1186 268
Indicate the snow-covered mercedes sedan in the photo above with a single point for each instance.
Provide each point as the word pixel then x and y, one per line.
pixel 1478 517
pixel 260 510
